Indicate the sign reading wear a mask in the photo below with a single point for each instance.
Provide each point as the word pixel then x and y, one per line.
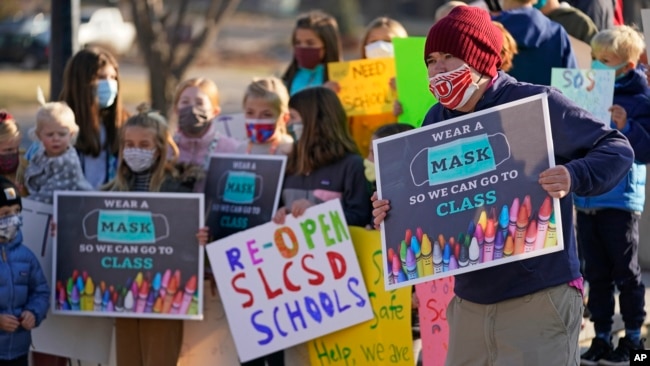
pixel 464 193
pixel 128 255
pixel 242 191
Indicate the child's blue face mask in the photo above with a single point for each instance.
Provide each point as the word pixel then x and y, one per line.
pixel 597 65
pixel 106 92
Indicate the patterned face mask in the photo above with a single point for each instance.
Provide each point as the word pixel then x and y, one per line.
pixel 9 226
pixel 138 160
pixel 260 131
pixel 454 88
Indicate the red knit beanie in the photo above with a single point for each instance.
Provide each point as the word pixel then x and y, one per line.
pixel 467 33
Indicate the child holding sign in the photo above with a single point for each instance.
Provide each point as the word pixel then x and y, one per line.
pixel 325 163
pixel 608 224
pixel 24 293
pixel 377 43
pixel 316 41
pixel 143 167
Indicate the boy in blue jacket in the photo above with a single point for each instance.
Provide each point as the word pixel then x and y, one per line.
pixel 24 293
pixel 608 224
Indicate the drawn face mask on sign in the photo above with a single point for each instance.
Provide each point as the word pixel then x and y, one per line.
pixel 241 187
pixel 460 159
pixel 125 226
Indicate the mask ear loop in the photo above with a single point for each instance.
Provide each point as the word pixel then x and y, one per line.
pixel 411 168
pixel 83 224
pixel 507 144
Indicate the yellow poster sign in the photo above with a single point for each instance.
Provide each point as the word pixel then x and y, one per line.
pixel 384 340
pixel 364 85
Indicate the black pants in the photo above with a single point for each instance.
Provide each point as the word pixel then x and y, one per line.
pixel 20 361
pixel 274 359
pixel 609 240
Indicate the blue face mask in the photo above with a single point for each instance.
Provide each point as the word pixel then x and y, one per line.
pixel 106 92
pixel 540 4
pixel 597 65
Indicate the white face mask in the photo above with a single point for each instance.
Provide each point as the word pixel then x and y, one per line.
pixel 9 226
pixel 138 160
pixel 379 49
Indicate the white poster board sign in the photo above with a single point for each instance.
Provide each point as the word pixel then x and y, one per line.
pixel 282 285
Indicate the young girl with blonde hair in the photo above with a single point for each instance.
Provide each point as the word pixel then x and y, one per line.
pixel 377 42
pixel 266 109
pixel 143 167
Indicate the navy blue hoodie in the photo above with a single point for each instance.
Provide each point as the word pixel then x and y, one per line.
pixel 596 156
pixel 542 43
pixel 630 92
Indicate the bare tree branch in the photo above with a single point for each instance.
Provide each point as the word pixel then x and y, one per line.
pixel 215 15
pixel 175 39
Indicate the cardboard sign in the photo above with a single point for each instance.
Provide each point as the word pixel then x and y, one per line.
pixel 434 296
pixel 128 254
pixel 232 125
pixel 386 339
pixel 286 284
pixel 364 85
pixel 592 90
pixel 464 193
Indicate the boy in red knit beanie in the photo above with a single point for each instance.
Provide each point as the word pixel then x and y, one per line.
pixel 526 312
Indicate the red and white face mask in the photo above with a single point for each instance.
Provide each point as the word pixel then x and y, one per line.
pixel 453 88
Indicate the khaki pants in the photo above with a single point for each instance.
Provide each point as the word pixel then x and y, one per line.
pixel 148 342
pixel 537 329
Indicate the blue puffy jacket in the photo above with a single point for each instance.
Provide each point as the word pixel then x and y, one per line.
pixel 542 45
pixel 630 92
pixel 22 287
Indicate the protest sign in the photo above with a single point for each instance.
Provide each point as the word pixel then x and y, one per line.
pixel 364 85
pixel 59 335
pixel 412 80
pixel 464 193
pixel 128 254
pixel 386 339
pixel 592 90
pixel 286 284
pixel 242 191
pixel 434 296
pixel 582 51
pixel 232 125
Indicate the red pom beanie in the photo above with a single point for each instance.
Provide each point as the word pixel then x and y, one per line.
pixel 467 33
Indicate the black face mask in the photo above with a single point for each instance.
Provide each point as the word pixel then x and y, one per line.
pixel 193 120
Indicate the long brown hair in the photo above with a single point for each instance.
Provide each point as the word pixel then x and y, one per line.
pixel 327 29
pixel 79 93
pixel 163 166
pixel 325 136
